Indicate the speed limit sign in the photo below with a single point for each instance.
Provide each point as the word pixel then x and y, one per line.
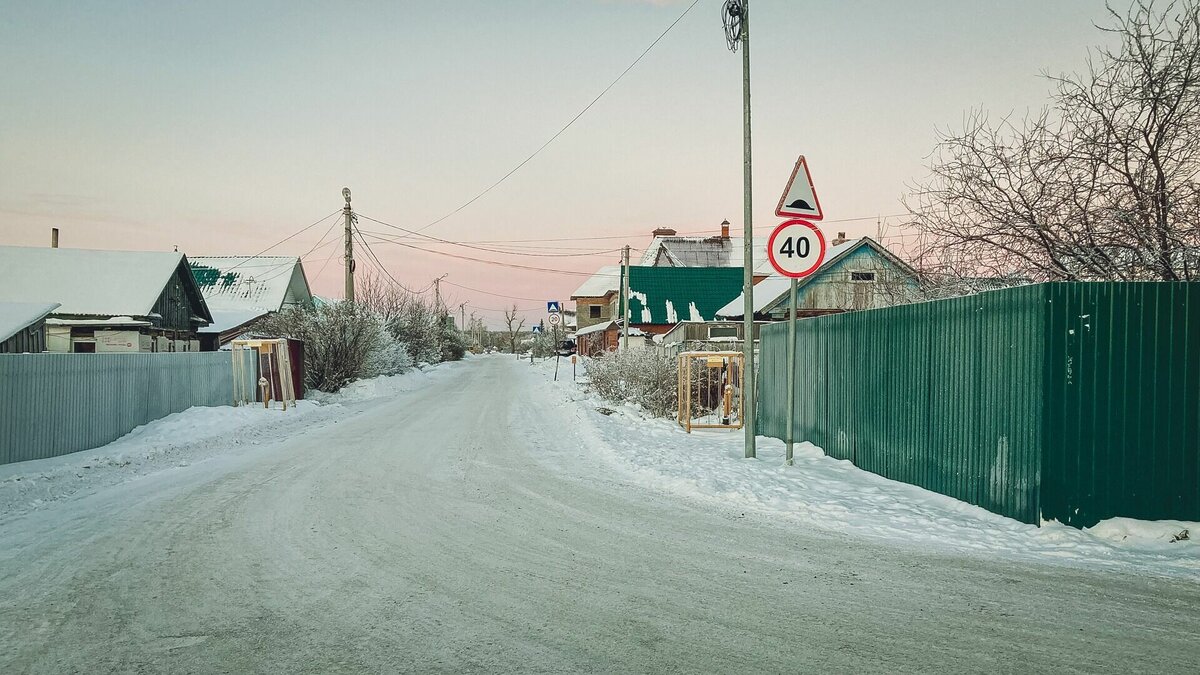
pixel 555 319
pixel 796 248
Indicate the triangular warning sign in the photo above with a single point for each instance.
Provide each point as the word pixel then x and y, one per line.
pixel 799 199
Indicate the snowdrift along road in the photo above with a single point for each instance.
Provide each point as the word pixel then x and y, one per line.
pixel 449 529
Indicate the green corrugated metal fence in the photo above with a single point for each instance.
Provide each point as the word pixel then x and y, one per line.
pixel 54 404
pixel 1067 401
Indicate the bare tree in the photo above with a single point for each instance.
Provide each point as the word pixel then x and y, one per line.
pixel 1100 185
pixel 510 320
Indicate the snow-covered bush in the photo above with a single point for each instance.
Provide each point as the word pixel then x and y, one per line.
pixel 454 343
pixel 641 376
pixel 391 358
pixel 424 329
pixel 413 325
pixel 343 342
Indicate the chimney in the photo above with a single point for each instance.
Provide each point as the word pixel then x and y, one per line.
pixel 54 237
pixel 664 232
pixel 724 229
pixel 841 239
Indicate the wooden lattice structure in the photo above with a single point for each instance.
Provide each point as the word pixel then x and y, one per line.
pixel 710 390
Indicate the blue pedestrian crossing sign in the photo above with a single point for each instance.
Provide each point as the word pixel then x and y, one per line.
pixel 537 329
pixel 553 307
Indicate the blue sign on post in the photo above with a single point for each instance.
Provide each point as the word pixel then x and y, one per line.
pixel 553 306
pixel 537 329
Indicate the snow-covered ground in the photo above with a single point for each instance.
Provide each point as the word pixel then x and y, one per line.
pixel 195 435
pixel 835 495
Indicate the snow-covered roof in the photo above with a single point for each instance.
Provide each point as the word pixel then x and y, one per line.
pixel 241 283
pixel 228 319
pixel 768 290
pixel 17 316
pixel 677 251
pixel 606 280
pixel 83 281
pixel 595 328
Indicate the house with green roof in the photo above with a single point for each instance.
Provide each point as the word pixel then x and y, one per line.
pixel 661 298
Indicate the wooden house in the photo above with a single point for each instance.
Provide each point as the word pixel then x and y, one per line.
pixel 856 274
pixel 108 301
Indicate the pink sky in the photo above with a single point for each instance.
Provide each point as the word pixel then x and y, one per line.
pixel 223 137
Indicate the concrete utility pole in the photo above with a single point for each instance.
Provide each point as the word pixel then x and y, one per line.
pixel 625 299
pixel 349 215
pixel 748 392
pixel 462 317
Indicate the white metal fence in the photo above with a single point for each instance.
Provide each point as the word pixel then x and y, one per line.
pixel 54 404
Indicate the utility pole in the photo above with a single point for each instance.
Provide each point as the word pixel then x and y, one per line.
pixel 349 215
pixel 437 294
pixel 748 392
pixel 462 317
pixel 625 299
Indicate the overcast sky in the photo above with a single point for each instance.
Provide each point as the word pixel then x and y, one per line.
pixel 222 128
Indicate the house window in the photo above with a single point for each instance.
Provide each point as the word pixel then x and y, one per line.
pixel 862 276
pixel 722 331
pixel 594 311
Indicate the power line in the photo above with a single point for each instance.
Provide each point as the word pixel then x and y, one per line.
pixel 371 256
pixel 568 124
pixel 503 309
pixel 498 295
pixel 326 264
pixel 481 248
pixel 290 236
pixel 498 263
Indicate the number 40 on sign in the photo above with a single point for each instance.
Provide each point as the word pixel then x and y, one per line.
pixel 796 248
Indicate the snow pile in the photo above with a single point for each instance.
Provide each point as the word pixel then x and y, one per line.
pixel 835 495
pixel 1147 534
pixel 189 437
pixel 180 439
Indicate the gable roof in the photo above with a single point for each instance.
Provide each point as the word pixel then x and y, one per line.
pixel 774 289
pixel 17 316
pixel 677 251
pixel 241 283
pixel 606 280
pixel 91 282
pixel 669 295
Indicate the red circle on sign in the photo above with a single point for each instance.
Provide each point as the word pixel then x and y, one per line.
pixel 796 222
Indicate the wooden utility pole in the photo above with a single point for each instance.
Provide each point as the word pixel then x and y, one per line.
pixel 349 215
pixel 437 297
pixel 625 299
pixel 54 237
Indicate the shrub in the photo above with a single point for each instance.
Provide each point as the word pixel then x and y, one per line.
pixel 641 376
pixel 343 342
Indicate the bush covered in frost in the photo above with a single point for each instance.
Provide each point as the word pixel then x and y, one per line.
pixel 343 342
pixel 641 376
pixel 384 333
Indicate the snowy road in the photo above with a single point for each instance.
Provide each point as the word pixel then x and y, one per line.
pixel 430 533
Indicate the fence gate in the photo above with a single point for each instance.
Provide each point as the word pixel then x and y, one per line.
pixel 710 390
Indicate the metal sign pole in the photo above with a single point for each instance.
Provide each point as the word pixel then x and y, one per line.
pixel 791 375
